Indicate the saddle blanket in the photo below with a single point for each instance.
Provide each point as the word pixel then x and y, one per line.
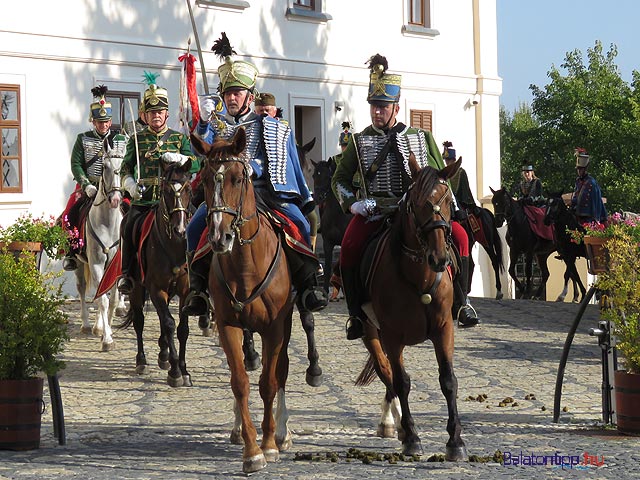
pixel 535 215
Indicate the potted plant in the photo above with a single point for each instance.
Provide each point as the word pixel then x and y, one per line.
pixel 33 329
pixel 35 235
pixel 620 282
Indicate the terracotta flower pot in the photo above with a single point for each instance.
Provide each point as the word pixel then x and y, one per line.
pixel 21 407
pixel 597 254
pixel 627 394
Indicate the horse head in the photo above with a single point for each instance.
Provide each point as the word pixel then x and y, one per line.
pixel 322 173
pixel 110 183
pixel 427 207
pixel 306 164
pixel 175 195
pixel 226 176
pixel 502 205
pixel 554 206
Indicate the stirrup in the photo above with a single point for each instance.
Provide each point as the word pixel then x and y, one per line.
pixel 196 304
pixel 354 328
pixel 125 285
pixel 314 299
pixel 466 320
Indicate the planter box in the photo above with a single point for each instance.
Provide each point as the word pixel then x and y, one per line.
pixel 627 391
pixel 21 408
pixel 597 254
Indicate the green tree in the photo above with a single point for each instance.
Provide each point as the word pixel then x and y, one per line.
pixel 584 105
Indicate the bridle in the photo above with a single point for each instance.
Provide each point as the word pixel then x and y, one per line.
pixel 178 188
pixel 425 227
pixel 238 216
pixel 113 187
pixel 507 213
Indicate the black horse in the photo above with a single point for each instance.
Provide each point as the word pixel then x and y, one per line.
pixel 562 219
pixel 333 220
pixel 522 240
pixel 486 234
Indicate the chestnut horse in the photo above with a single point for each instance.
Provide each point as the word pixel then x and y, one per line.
pixel 411 293
pixel 251 289
pixel 165 275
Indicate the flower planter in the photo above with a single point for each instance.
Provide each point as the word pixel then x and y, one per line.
pixel 627 394
pixel 21 407
pixel 24 249
pixel 597 254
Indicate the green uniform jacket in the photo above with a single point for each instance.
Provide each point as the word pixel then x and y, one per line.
pixel 151 146
pixel 347 179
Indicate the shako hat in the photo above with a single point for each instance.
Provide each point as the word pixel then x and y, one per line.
pixel 155 97
pixel 233 73
pixel 582 157
pixel 449 153
pixel 383 87
pixel 100 109
pixel 345 135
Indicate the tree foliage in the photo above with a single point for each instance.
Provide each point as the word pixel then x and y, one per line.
pixel 584 105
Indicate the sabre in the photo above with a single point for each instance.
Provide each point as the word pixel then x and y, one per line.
pixel 195 34
pixel 135 140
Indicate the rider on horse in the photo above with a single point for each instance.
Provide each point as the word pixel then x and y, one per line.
pixel 586 201
pixel 156 142
pixel 86 165
pixel 277 178
pixel 378 157
pixel 530 188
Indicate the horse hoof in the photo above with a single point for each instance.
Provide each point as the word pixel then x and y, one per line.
pixel 271 454
pixel 175 382
pixel 207 332
pixel 142 369
pixel 107 347
pixel 251 364
pixel 97 332
pixel 164 364
pixel 254 464
pixel 313 379
pixel 236 437
pixel 386 431
pixel 120 312
pixel 284 444
pixel 499 296
pixel 85 330
pixel 456 454
pixel 412 448
pixel 186 381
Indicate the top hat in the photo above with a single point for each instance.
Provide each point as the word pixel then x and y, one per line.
pixel 383 87
pixel 100 109
pixel 233 74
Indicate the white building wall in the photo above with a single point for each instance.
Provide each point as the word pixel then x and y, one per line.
pixel 60 53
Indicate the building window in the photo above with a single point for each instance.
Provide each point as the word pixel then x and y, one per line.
pixel 421 119
pixel 307 11
pixel 10 132
pixel 120 107
pixel 237 5
pixel 418 18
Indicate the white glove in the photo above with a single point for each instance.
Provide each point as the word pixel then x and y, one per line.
pixel 364 208
pixel 131 186
pixel 90 190
pixel 174 158
pixel 207 107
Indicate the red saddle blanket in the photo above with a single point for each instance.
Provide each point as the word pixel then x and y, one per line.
pixel 477 230
pixel 114 268
pixel 535 215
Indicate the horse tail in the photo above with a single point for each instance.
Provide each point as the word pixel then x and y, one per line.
pixel 497 241
pixel 127 321
pixel 367 374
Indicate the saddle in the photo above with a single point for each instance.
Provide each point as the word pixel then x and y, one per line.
pixel 535 216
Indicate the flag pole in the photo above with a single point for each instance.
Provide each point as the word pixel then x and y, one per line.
pixel 195 35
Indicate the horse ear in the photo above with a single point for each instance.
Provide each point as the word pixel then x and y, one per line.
pixel 492 190
pixel 450 170
pixel 199 145
pixel 187 166
pixel 239 141
pixel 309 146
pixel 315 164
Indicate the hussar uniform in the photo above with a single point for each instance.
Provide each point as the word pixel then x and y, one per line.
pixel 586 200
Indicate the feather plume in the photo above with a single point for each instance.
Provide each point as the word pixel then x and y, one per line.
pixel 150 78
pixel 346 125
pixel 377 59
pixel 222 48
pixel 447 144
pixel 99 91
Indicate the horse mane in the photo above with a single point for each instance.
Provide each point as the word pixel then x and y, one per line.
pixel 424 182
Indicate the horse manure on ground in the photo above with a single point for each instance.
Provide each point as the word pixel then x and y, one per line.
pixel 366 457
pixel 480 398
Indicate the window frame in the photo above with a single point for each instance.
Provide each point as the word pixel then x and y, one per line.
pixel 424 27
pixel 119 118
pixel 314 13
pixel 13 124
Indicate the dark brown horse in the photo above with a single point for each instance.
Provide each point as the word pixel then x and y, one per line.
pixel 411 293
pixel 165 275
pixel 251 289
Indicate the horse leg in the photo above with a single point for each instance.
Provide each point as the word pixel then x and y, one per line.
pixel 528 274
pixel 136 302
pixel 389 425
pixel 327 250
pixel 102 323
pixel 251 357
pixel 495 263
pixel 205 322
pixel 282 434
pixel 579 290
pixel 81 285
pixel 168 355
pixel 565 288
pixel 544 270
pixel 313 375
pixel 512 273
pixel 231 342
pixel 121 308
pixel 443 345
pixel 183 335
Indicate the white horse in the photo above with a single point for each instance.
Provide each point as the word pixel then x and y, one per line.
pixel 102 236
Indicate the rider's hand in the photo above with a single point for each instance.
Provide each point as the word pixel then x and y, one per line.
pixel 90 190
pixel 364 208
pixel 178 158
pixel 207 107
pixel 131 186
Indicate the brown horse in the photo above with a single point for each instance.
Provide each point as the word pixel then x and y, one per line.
pixel 165 275
pixel 411 293
pixel 251 289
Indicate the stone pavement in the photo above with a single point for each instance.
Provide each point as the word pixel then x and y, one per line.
pixel 120 425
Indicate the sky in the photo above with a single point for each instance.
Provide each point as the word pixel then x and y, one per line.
pixel 534 35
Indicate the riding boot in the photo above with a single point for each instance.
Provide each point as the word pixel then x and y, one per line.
pixel 462 309
pixel 304 276
pixel 125 284
pixel 313 297
pixel 197 301
pixel 355 326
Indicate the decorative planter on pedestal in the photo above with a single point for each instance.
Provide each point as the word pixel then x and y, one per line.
pixel 627 391
pixel 25 248
pixel 21 407
pixel 597 254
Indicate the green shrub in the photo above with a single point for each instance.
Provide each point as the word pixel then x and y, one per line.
pixel 33 328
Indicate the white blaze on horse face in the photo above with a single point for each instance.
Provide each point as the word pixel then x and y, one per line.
pixel 217 200
pixel 182 225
